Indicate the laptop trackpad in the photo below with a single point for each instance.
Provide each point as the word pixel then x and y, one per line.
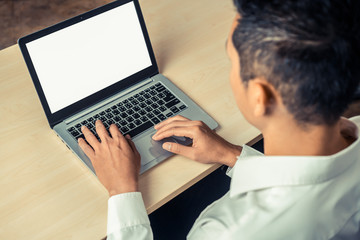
pixel 150 149
pixel 157 150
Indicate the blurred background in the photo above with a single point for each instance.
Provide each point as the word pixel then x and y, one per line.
pixel 21 17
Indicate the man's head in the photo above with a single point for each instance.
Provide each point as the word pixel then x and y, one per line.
pixel 306 51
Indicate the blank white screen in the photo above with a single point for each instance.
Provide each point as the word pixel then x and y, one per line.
pixel 89 56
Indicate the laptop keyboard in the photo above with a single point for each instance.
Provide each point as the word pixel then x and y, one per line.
pixel 135 114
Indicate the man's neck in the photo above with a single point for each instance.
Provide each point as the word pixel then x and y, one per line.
pixel 288 138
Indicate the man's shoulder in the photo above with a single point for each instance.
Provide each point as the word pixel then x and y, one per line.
pixel 276 211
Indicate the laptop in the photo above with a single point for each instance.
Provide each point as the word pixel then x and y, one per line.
pixel 100 65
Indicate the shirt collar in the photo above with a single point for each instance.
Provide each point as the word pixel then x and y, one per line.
pixel 259 172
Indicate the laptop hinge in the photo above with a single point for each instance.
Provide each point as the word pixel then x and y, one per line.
pixel 107 101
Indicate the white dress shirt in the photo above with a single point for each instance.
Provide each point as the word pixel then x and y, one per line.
pixel 270 197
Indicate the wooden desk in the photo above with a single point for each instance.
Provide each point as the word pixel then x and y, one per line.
pixel 46 192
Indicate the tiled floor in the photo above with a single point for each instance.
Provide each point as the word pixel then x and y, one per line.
pixel 21 17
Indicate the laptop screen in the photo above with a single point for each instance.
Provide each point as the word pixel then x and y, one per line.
pixel 84 58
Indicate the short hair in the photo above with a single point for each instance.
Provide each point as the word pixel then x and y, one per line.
pixel 307 49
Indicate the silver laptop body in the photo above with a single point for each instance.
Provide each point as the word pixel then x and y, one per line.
pixel 100 65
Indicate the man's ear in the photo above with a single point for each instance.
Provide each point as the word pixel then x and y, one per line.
pixel 263 97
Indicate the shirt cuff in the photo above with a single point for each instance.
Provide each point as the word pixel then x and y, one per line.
pixel 245 152
pixel 126 210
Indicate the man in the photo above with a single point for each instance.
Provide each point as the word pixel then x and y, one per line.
pixel 295 67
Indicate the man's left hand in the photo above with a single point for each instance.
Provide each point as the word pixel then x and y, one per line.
pixel 115 159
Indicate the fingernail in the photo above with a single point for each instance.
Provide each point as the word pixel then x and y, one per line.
pixel 154 136
pixel 82 127
pixel 167 147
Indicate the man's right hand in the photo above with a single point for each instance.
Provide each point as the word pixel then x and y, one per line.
pixel 207 147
